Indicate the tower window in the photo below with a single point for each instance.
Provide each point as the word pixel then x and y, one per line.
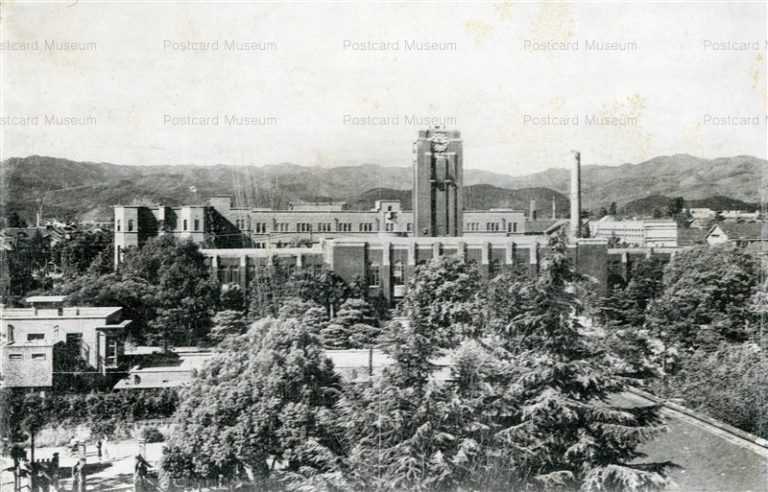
pixel 197 224
pixel 130 225
pixel 118 225
pixel 185 224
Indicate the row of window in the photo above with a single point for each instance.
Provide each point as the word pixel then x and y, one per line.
pixel 185 225
pixel 21 356
pixel 261 228
pixel 489 227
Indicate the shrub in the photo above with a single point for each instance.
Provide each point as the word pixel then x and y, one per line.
pixel 729 383
pixel 152 434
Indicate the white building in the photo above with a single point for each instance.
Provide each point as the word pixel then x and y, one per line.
pixel 637 233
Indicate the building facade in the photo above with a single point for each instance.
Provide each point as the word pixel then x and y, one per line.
pixel 636 233
pixel 437 199
pixel 379 248
pixel 32 338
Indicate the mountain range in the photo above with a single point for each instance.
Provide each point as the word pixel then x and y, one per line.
pixel 87 190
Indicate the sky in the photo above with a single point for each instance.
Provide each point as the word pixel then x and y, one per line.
pixel 347 83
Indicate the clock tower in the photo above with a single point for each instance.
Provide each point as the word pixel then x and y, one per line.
pixel 437 183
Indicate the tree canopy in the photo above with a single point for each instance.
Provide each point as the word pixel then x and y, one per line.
pixel 263 409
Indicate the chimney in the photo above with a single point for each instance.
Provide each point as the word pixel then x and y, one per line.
pixel 576 195
pixel 554 208
pixel 532 210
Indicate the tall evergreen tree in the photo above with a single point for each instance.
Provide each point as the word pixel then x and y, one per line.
pixel 355 326
pixel 564 428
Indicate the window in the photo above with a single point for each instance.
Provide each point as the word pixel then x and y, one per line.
pixel 197 224
pixel 409 227
pixel 512 227
pixel 324 227
pixel 185 224
pixel 130 225
pixel 398 273
pixel 38 356
pixel 32 337
pixel 303 227
pixel 389 208
pixel 389 226
pixel 374 274
pixel 261 227
pixel 344 227
pixel 74 340
pixel 366 227
pixel 118 225
pixel 492 226
pixel 15 356
pixel 10 334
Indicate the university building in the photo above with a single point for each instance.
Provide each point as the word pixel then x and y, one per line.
pixel 380 247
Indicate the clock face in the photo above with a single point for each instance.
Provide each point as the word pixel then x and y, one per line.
pixel 439 142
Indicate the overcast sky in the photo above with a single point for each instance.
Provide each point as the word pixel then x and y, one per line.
pixel 332 84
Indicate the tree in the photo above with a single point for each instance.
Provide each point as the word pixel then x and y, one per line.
pixel 408 429
pixel 268 289
pixel 326 288
pixel 268 401
pixel 612 209
pixel 622 315
pixel 74 256
pixel 355 326
pixel 185 295
pixel 706 297
pixel 675 206
pixel 442 298
pixel 227 323
pixel 602 213
pixel 563 432
pixel 165 288
pixel 13 219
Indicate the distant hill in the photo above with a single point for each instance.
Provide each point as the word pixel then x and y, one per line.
pixel 479 197
pixel 90 189
pixel 678 175
pixel 645 206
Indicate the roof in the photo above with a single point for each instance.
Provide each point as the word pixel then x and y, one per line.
pixel 67 312
pixel 166 373
pixel 690 236
pixel 742 231
pixel 33 299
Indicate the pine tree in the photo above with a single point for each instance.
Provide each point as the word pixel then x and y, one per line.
pixel 564 429
pixel 355 326
pixel 401 426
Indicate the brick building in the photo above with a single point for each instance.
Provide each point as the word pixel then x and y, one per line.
pixel 380 247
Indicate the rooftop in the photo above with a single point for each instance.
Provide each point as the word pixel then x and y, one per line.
pixel 44 299
pixel 67 312
pixel 743 231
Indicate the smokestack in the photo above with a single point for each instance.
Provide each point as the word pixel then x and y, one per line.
pixel 576 195
pixel 554 208
pixel 532 210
